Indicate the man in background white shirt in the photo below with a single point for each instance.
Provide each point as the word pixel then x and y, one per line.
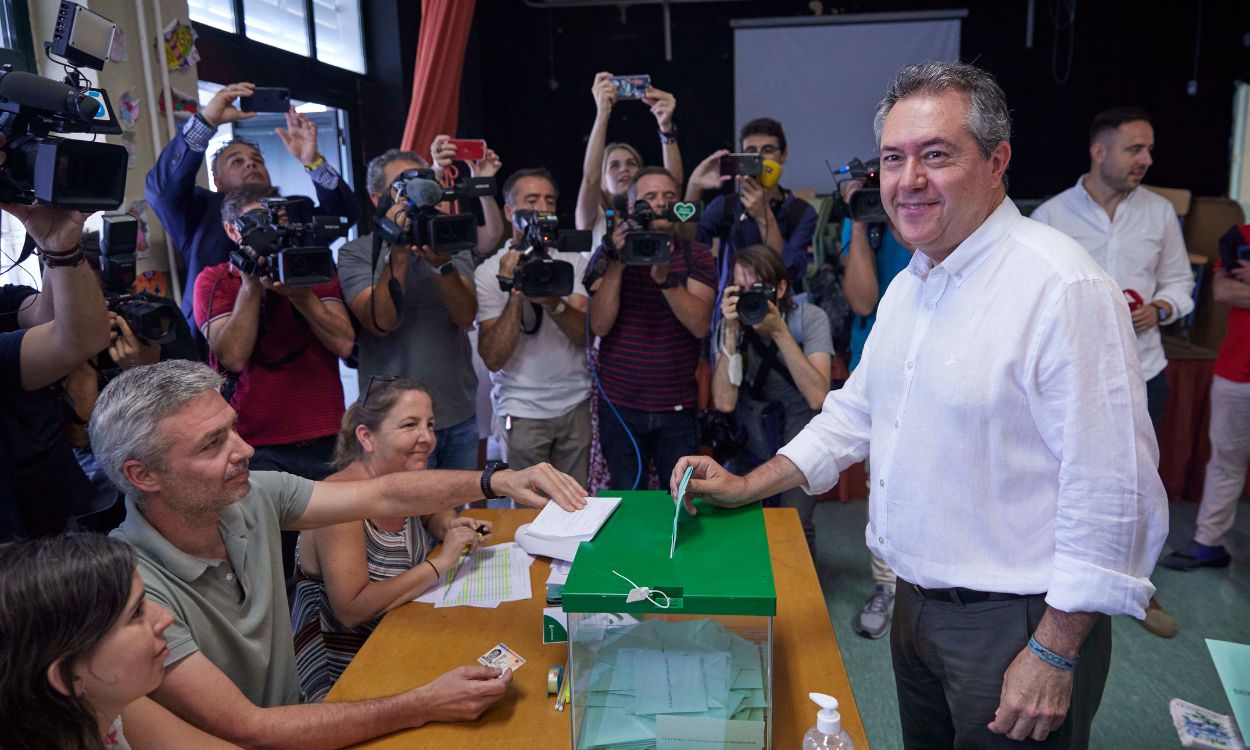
pixel 1014 468
pixel 1133 234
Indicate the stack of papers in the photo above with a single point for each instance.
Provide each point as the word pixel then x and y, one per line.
pixel 557 532
pixel 660 683
pixel 484 578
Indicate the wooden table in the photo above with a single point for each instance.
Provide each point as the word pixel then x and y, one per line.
pixel 417 642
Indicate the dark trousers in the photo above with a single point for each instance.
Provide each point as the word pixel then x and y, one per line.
pixel 949 661
pixel 1157 390
pixel 307 458
pixel 663 437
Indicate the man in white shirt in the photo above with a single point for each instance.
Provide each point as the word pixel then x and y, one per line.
pixel 535 347
pixel 1133 234
pixel 1014 468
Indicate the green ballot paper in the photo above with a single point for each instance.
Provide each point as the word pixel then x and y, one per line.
pixel 1232 661
pixel 681 493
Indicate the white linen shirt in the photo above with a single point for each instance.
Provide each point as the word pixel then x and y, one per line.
pixel 1142 249
pixel 1011 449
pixel 546 376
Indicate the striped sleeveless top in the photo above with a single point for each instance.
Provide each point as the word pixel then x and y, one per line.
pixel 323 645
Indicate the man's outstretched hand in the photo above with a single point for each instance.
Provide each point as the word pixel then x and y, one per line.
pixel 710 481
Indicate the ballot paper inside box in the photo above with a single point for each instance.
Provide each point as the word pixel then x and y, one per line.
pixel 646 675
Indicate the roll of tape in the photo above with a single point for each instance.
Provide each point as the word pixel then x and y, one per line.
pixel 553 679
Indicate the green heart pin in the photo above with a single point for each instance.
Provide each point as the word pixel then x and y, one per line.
pixel 684 211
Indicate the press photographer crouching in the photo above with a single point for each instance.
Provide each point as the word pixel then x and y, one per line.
pixel 652 304
pixel 772 367
pixel 532 332
pixel 275 321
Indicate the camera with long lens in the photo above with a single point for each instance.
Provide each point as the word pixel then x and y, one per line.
pixel 151 318
pixel 420 193
pixel 73 174
pixel 293 241
pixel 538 274
pixel 753 302
pixel 865 203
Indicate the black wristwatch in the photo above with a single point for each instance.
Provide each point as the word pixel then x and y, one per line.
pixel 670 136
pixel 446 269
pixel 669 282
pixel 487 473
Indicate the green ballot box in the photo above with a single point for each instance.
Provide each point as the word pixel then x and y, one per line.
pixel 666 651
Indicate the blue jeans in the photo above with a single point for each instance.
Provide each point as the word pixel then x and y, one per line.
pixel 663 437
pixel 457 447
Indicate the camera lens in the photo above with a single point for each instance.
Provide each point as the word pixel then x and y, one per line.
pixel 752 307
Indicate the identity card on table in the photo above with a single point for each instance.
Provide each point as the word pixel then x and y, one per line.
pixel 501 657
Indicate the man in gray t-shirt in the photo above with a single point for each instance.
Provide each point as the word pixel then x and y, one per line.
pixel 423 332
pixel 205 534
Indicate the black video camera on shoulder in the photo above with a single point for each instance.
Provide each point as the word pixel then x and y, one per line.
pixel 293 241
pixel 865 203
pixel 643 245
pixel 538 274
pixel 420 193
pixel 151 318
pixel 72 174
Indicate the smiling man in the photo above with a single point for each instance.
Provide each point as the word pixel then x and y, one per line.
pixel 205 533
pixel 1014 468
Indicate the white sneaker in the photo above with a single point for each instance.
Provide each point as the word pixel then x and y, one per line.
pixel 873 621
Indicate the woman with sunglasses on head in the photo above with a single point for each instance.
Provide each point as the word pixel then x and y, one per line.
pixel 82 648
pixel 351 574
pixel 608 170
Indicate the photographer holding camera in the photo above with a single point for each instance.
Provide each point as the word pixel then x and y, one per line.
pixel 651 318
pixel 756 214
pixel 416 302
pixel 535 346
pixel 773 366
pixel 191 215
pixel 281 344
pixel 43 337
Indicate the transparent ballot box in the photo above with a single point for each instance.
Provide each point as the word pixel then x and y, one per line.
pixel 671 651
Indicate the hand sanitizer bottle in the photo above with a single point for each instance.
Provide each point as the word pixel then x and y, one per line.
pixel 828 732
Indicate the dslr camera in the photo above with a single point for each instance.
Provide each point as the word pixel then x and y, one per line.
pixel 153 319
pixel 865 204
pixel 753 302
pixel 72 174
pixel 420 193
pixel 538 274
pixel 291 238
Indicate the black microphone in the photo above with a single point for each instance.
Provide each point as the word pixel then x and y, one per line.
pixel 51 96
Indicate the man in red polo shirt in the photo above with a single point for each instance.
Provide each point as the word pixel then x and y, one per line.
pixel 281 346
pixel 1230 417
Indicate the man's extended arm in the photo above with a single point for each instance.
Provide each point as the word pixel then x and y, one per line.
pixel 606 303
pixel 170 185
pixel 232 337
pixel 418 493
pixel 328 320
pixel 201 694
pixel 497 337
pixel 1175 277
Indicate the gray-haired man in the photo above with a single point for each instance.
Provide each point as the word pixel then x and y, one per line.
pixel 1014 467
pixel 205 534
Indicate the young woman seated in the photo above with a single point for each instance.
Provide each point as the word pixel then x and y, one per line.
pixel 82 648
pixel 351 574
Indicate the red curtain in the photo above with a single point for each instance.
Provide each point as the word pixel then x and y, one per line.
pixel 441 42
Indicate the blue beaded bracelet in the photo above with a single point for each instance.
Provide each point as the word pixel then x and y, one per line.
pixel 1050 657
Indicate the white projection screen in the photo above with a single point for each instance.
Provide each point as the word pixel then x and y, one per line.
pixel 822 78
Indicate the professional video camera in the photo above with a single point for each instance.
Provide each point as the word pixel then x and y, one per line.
pixel 865 204
pixel 293 241
pixel 538 274
pixel 153 319
pixel 421 193
pixel 753 302
pixel 73 174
